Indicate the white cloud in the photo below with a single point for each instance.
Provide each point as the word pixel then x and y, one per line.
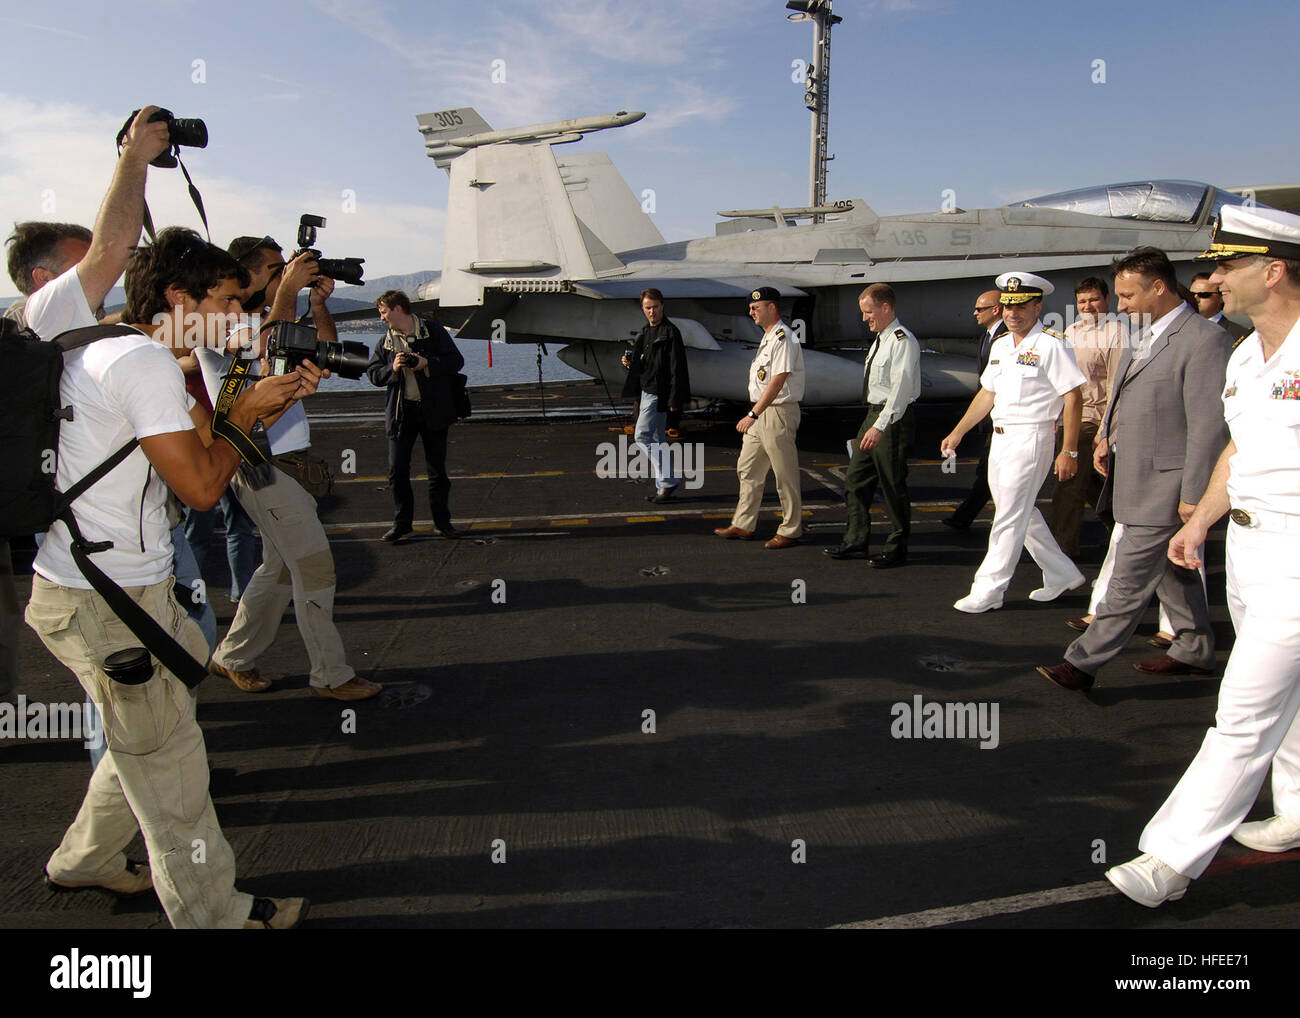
pixel 58 160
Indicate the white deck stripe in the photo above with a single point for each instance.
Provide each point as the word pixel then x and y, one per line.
pixel 983 909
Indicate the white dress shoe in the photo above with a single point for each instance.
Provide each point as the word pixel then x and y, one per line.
pixel 1148 881
pixel 1052 593
pixel 1275 835
pixel 973 605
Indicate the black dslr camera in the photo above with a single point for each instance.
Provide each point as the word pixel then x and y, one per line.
pixel 349 270
pixel 290 344
pixel 191 133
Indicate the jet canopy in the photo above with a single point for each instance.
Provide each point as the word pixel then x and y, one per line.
pixel 1162 201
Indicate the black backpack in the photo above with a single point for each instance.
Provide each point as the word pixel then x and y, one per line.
pixel 30 414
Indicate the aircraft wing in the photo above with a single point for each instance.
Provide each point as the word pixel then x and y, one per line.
pixel 684 288
pixel 1279 196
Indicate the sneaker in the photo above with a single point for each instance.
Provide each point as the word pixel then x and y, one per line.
pixel 1277 834
pixel 135 879
pixel 276 913
pixel 395 534
pixel 356 688
pixel 1148 881
pixel 250 681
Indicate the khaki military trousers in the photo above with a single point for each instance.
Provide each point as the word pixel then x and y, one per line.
pixel 296 566
pixel 769 445
pixel 154 777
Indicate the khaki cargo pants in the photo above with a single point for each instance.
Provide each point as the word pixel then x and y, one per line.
pixel 154 776
pixel 296 566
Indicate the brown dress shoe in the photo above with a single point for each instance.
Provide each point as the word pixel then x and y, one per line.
pixel 1168 666
pixel 1067 676
pixel 1078 625
pixel 135 879
pixel 781 541
pixel 356 688
pixel 734 531
pixel 250 681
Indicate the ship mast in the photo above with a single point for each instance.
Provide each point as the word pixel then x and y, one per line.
pixel 817 96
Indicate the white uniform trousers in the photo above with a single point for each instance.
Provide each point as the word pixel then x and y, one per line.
pixel 1107 570
pixel 1019 458
pixel 769 445
pixel 1258 703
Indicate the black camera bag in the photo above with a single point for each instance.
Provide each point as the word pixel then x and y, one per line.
pixel 30 414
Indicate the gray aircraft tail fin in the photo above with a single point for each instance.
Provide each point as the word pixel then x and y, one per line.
pixel 524 217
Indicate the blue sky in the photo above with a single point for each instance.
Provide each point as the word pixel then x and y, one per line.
pixel 305 102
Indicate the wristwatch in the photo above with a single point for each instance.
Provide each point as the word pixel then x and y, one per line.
pixel 1071 453
pixel 753 415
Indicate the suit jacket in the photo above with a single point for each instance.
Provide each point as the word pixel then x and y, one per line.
pixel 1237 332
pixel 1164 424
pixel 987 348
pixel 437 398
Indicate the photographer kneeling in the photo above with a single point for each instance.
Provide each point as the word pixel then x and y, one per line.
pixel 296 561
pixel 155 775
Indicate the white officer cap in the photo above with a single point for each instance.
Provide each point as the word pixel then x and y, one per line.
pixel 1245 231
pixel 1021 287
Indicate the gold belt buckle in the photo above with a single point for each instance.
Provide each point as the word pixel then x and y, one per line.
pixel 1241 517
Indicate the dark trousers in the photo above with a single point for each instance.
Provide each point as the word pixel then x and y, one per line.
pixel 410 426
pixel 885 467
pixel 1071 496
pixel 964 515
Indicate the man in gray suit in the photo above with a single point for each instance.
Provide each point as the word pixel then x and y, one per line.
pixel 1162 434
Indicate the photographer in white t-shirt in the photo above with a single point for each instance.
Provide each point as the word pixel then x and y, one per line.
pixel 154 777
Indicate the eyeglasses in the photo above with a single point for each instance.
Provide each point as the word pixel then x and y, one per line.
pixel 1206 294
pixel 991 307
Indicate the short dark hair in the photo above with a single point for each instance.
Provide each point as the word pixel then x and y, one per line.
pixel 653 293
pixel 1150 262
pixel 394 299
pixel 244 250
pixel 181 258
pixel 35 245
pixel 1092 283
pixel 881 293
pixel 1202 275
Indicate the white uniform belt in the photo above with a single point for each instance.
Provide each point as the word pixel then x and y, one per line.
pixel 1255 519
pixel 1001 428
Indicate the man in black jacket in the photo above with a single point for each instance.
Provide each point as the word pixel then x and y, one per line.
pixel 418 362
pixel 657 371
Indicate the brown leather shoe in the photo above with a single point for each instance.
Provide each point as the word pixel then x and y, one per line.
pixel 356 688
pixel 1067 676
pixel 734 531
pixel 781 541
pixel 249 681
pixel 1078 625
pixel 135 879
pixel 1159 641
pixel 1168 666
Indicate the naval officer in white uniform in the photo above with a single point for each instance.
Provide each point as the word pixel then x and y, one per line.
pixel 1257 482
pixel 1031 376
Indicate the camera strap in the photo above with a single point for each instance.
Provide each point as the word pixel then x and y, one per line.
pixel 236 378
pixel 194 197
